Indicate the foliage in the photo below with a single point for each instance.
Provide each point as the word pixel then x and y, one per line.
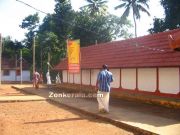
pixel 136 6
pixel 65 23
pixel 95 7
pixel 11 48
pixel 158 26
pixel 30 23
pixel 99 28
pixel 172 17
pixel 172 9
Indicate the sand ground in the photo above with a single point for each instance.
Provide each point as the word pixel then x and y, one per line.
pixel 44 118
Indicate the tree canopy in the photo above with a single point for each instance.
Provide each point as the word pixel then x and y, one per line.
pixel 95 7
pixel 172 17
pixel 136 6
pixel 65 23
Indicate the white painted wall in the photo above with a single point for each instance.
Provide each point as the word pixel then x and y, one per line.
pixel 86 77
pixel 94 74
pixel 12 76
pixel 147 79
pixel 64 73
pixel 169 80
pixel 128 77
pixel 25 76
pixel 77 78
pixel 116 77
pixel 70 77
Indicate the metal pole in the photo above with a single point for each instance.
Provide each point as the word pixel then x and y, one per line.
pixel 16 66
pixel 34 55
pixel 0 55
pixel 21 64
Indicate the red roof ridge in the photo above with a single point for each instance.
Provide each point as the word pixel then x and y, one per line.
pixel 146 51
pixel 135 38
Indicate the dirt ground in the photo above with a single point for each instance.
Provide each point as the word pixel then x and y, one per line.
pixel 44 118
pixel 6 90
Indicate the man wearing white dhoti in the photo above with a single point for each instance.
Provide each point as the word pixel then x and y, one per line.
pixel 103 85
pixel 48 77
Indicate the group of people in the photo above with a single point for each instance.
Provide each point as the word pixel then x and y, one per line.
pixel 38 78
pixel 104 79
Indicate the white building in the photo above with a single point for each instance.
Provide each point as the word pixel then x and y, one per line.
pixel 140 65
pixel 11 73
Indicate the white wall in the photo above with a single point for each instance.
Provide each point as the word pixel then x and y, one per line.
pixel 70 77
pixel 147 79
pixel 12 76
pixel 77 78
pixel 64 73
pixel 169 80
pixel 25 76
pixel 128 77
pixel 94 74
pixel 116 77
pixel 86 77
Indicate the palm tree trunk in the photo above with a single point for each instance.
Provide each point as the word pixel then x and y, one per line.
pixel 135 26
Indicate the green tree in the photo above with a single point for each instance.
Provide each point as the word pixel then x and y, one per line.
pixel 158 26
pixel 172 17
pixel 172 9
pixel 11 48
pixel 136 6
pixel 31 24
pixel 99 29
pixel 64 16
pixel 96 7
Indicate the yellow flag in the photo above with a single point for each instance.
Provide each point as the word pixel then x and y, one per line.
pixel 73 50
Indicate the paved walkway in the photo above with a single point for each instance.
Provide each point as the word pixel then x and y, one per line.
pixel 120 112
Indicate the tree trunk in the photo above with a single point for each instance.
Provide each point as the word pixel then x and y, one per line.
pixel 135 27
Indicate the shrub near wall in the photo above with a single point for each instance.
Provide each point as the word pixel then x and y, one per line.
pixel 75 87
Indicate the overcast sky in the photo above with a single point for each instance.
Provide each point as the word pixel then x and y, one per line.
pixel 12 13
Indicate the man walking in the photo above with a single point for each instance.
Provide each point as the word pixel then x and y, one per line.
pixel 103 85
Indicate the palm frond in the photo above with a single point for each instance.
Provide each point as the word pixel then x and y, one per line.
pixel 126 13
pixel 143 2
pixel 143 9
pixel 102 2
pixel 120 6
pixel 136 12
pixel 89 1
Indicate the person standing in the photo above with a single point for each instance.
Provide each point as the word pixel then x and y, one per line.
pixel 36 79
pixel 58 80
pixel 48 77
pixel 104 79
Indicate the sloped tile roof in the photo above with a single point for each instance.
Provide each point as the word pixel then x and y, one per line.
pixel 10 64
pixel 146 51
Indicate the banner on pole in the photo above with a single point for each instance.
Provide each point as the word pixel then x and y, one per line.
pixel 73 51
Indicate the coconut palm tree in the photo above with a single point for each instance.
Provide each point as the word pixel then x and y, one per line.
pixel 136 6
pixel 96 6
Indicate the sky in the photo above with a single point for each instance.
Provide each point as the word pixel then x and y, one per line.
pixel 12 13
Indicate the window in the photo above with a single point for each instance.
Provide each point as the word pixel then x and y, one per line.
pixel 6 72
pixel 18 72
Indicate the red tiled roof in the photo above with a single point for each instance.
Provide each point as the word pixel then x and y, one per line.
pixel 146 51
pixel 10 64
